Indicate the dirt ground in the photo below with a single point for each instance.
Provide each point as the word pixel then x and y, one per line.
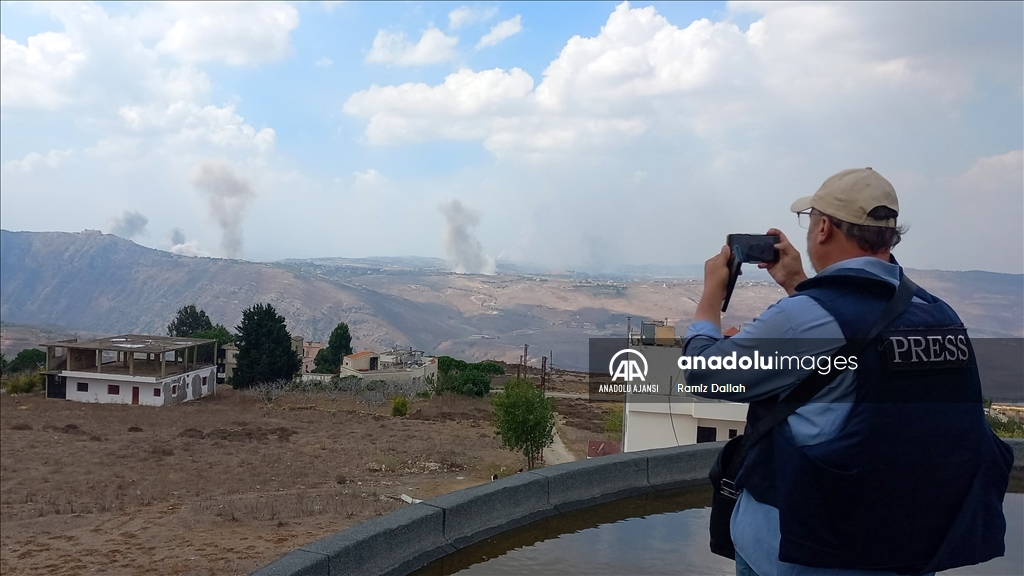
pixel 222 485
pixel 580 421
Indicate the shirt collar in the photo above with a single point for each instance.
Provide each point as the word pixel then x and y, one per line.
pixel 888 270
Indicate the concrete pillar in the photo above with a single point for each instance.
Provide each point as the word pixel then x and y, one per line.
pixel 49 356
pixel 99 360
pixel 131 364
pixel 195 357
pixel 163 364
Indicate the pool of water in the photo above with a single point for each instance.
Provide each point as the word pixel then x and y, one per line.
pixel 659 533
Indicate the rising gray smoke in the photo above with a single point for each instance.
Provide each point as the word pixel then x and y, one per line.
pixel 180 246
pixel 229 195
pixel 129 225
pixel 460 243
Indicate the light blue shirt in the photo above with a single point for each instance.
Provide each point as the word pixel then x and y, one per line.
pixel 809 330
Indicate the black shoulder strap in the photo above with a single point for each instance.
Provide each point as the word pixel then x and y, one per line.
pixel 815 382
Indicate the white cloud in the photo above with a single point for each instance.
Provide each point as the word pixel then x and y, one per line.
pixel 35 160
pixel 324 62
pixel 368 178
pixel 39 74
pixel 982 204
pixel 471 102
pixel 182 83
pixel 464 15
pixel 500 31
pixel 1003 173
pixel 800 64
pixel 187 123
pixel 239 34
pixel 394 48
pixel 331 5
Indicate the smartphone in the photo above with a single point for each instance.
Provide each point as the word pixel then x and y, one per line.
pixel 747 248
pixel 754 247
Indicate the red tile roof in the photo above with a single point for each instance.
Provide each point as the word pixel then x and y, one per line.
pixel 360 354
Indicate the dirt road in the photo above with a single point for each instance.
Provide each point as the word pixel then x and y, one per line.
pixel 557 452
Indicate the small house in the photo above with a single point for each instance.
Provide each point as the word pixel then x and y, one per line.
pixel 131 369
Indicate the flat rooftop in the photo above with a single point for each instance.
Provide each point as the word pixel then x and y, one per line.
pixel 134 343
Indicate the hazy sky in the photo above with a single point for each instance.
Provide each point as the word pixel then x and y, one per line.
pixel 568 135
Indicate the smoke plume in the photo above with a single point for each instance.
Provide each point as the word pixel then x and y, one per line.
pixel 183 248
pixel 129 225
pixel 229 195
pixel 460 243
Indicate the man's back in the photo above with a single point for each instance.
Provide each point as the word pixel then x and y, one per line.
pixel 817 321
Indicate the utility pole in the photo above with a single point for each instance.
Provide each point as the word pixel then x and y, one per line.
pixel 543 369
pixel 526 361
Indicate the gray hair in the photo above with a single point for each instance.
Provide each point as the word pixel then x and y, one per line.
pixel 872 239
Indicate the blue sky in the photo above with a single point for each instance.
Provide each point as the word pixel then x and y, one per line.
pixel 582 135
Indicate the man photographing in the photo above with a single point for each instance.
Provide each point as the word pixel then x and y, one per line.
pixel 888 468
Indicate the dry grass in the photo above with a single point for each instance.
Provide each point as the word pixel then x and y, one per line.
pixel 580 422
pixel 232 483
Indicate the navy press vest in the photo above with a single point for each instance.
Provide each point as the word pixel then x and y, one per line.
pixel 914 481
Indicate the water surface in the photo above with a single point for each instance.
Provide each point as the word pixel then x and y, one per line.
pixel 659 533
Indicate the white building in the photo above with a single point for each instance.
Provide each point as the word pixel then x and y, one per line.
pixel 131 369
pixel 672 418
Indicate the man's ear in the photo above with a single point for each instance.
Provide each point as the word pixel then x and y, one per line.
pixel 825 229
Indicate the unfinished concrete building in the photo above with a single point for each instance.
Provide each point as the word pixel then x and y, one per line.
pixel 131 369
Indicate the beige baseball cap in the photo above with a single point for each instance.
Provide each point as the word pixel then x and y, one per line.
pixel 850 195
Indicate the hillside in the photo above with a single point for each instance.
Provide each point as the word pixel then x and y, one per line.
pixel 101 283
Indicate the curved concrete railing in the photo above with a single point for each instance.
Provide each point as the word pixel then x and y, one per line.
pixel 405 540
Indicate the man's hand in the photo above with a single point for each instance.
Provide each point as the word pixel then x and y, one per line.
pixel 716 274
pixel 716 280
pixel 789 270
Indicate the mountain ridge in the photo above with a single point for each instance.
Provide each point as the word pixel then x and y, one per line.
pixel 100 283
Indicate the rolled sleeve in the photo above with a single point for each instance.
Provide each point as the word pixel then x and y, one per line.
pixel 796 325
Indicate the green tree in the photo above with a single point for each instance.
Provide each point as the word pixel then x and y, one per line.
pixel 473 383
pixel 3 364
pixel 265 351
pixel 189 321
pixel 328 359
pixel 456 376
pixel 29 359
pixel 524 419
pixel 488 367
pixel 219 333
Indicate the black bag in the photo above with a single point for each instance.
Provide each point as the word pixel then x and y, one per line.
pixel 727 466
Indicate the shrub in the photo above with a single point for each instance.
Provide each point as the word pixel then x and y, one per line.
pixel 524 419
pixel 28 360
pixel 400 406
pixel 613 424
pixel 472 383
pixel 269 392
pixel 1005 428
pixel 24 383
